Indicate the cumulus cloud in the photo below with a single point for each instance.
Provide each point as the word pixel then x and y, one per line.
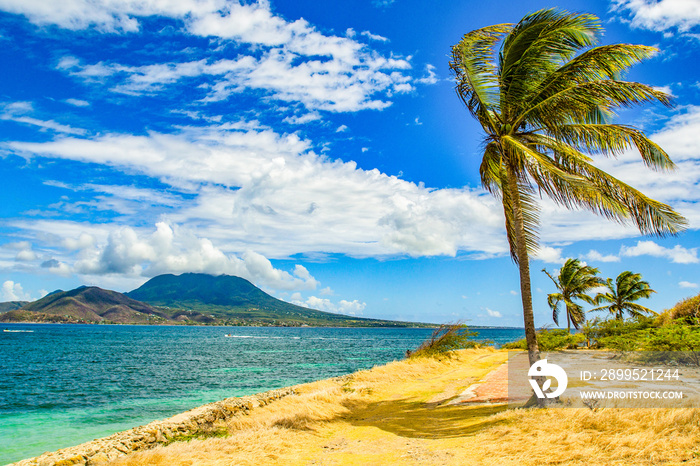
pixel 259 190
pixel 177 250
pixel 549 254
pixel 492 313
pixel 677 254
pixel 353 308
pixel 595 256
pixel 24 253
pixel 684 284
pixel 12 291
pixel 662 16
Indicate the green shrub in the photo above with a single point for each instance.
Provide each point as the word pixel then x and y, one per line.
pixel 447 338
pixel 687 309
pixel 620 335
pixel 550 340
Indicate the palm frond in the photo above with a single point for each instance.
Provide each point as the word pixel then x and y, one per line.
pixel 612 139
pixel 596 190
pixel 574 104
pixel 536 46
pixel 472 63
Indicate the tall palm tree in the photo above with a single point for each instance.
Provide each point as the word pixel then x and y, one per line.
pixel 574 281
pixel 628 287
pixel 544 104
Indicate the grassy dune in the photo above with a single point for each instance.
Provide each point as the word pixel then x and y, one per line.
pixel 398 414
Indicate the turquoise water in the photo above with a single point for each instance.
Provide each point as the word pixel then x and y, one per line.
pixel 61 385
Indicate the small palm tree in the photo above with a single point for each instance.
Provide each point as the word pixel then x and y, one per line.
pixel 573 282
pixel 544 100
pixel 628 288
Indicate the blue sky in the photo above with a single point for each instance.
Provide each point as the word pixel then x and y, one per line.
pixel 317 149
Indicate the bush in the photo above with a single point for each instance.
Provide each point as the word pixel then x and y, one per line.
pixel 687 309
pixel 620 335
pixel 447 338
pixel 550 340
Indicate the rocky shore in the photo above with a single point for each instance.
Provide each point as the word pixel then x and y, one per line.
pixel 198 421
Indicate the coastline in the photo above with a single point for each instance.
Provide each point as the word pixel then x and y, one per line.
pixel 191 423
pixel 200 422
pixel 417 411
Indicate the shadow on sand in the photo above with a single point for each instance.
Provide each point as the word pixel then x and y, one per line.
pixel 414 419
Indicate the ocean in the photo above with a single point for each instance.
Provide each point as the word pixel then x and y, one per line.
pixel 62 385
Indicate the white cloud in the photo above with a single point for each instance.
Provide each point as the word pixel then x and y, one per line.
pixel 57 267
pixel 303 119
pixel 663 15
pixel 353 308
pixel 341 84
pixel 492 313
pixel 430 77
pixel 18 112
pixel 12 291
pixel 26 255
pixel 685 284
pixel 677 254
pixel 595 256
pixel 77 102
pixel 287 199
pixel 176 250
pixel 374 37
pixel 549 255
pixel 347 77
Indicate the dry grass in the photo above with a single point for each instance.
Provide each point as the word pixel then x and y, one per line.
pixel 395 414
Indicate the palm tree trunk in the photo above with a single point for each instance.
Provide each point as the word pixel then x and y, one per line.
pixel 568 321
pixel 533 350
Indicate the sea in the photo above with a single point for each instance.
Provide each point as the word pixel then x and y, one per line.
pixel 62 385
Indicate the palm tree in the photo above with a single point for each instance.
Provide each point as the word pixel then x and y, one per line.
pixel 573 282
pixel 545 108
pixel 629 287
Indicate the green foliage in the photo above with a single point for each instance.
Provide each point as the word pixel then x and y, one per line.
pixel 642 339
pixel 573 282
pixel 447 338
pixel 620 335
pixel 544 99
pixel 550 340
pixel 621 296
pixel 687 309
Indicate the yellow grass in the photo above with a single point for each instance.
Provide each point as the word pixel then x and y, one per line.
pixel 397 415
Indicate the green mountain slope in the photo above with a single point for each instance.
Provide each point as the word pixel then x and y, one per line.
pixel 236 301
pixel 12 305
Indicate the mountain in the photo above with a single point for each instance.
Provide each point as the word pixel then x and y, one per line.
pixel 12 305
pixel 84 304
pixel 94 305
pixel 236 301
pixel 189 298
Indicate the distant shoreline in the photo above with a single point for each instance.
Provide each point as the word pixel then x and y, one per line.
pixel 417 326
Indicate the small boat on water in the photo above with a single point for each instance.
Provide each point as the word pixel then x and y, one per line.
pixel 229 335
pixel 17 331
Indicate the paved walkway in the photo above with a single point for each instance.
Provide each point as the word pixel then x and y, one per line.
pixel 494 387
